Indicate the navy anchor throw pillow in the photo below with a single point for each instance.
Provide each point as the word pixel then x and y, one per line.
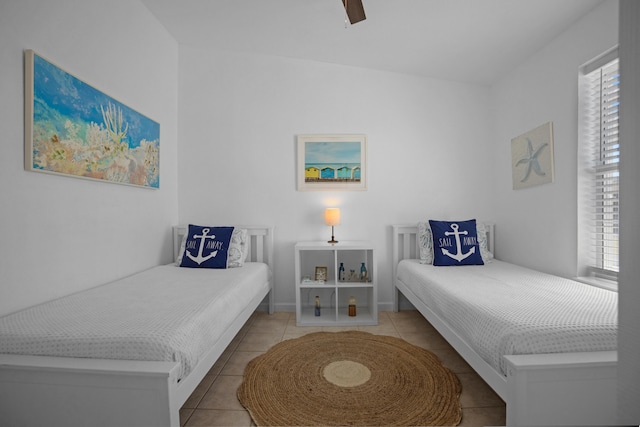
pixel 455 243
pixel 206 247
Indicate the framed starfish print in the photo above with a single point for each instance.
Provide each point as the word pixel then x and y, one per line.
pixel 532 157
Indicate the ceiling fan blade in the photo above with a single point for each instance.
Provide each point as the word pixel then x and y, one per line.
pixel 355 10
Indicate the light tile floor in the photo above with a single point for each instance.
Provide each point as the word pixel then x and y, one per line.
pixel 214 402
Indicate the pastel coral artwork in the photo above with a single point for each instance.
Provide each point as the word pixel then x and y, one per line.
pixel 74 129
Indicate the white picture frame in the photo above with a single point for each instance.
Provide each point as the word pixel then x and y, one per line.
pixel 73 129
pixel 332 162
pixel 532 157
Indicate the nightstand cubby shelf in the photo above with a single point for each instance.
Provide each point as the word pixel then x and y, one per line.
pixel 334 294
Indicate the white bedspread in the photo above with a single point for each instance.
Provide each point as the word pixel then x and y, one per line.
pixel 166 313
pixel 501 309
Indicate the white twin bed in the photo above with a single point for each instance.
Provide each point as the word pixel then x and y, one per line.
pixel 545 344
pixel 129 352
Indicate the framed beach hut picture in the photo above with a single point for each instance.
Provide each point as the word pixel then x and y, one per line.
pixel 332 162
pixel 74 129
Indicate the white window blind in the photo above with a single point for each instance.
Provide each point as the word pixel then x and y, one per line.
pixel 600 101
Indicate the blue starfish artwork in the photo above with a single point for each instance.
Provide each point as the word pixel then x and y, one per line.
pixel 531 160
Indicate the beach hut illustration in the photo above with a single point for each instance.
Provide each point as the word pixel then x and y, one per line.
pixel 311 173
pixel 328 173
pixel 344 173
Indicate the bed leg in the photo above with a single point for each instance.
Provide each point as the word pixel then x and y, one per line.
pixel 271 301
pixel 396 299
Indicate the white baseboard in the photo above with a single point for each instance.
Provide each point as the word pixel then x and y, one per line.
pixel 291 307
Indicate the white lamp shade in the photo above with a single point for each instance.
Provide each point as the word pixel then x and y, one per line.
pixel 332 216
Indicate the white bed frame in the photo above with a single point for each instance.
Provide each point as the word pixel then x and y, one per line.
pixel 62 391
pixel 539 389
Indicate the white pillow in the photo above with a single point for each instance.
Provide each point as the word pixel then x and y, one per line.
pixel 487 255
pixel 425 243
pixel 238 248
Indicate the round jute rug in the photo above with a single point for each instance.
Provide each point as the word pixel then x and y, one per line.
pixel 349 378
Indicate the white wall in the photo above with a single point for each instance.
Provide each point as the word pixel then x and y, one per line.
pixel 57 234
pixel 239 115
pixel 629 288
pixel 536 227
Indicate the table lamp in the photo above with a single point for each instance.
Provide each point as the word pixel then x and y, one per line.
pixel 332 217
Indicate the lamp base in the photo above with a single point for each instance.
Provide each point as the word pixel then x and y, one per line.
pixel 333 240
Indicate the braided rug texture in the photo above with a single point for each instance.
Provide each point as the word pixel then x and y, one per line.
pixel 350 378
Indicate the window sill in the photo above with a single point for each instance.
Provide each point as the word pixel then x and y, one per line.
pixel 601 283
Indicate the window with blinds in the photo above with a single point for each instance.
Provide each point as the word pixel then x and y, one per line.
pixel 600 150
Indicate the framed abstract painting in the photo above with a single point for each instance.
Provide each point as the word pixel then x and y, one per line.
pixel 532 157
pixel 332 162
pixel 73 129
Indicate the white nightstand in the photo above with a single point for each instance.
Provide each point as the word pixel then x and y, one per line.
pixel 335 293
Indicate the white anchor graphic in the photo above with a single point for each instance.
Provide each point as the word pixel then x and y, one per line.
pixel 203 237
pixel 458 256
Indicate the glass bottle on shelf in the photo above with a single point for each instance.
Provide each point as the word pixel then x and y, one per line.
pixel 317 308
pixel 352 306
pixel 341 272
pixel 363 273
